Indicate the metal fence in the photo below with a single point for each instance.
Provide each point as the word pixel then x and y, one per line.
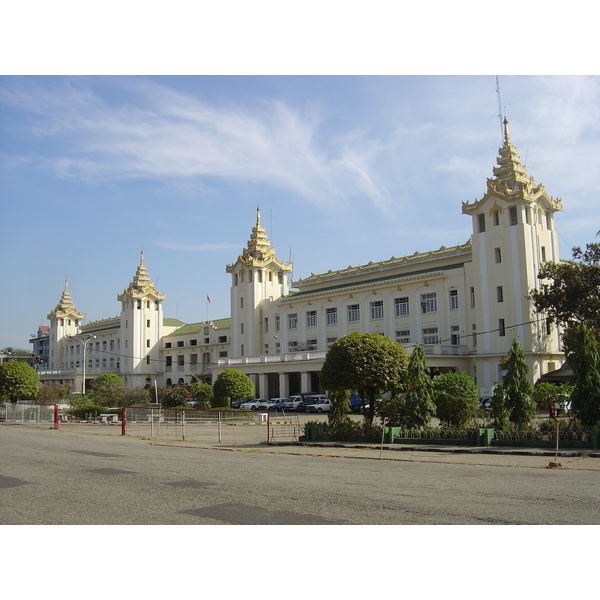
pixel 36 415
pixel 544 436
pixel 439 434
pixel 208 426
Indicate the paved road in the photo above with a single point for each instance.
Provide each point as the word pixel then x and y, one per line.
pixel 70 477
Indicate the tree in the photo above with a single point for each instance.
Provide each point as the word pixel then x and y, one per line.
pixel 202 394
pixel 499 410
pixel 517 387
pixel 18 380
pixel 231 385
pixel 573 296
pixel 547 395
pixel 456 398
pixel 176 396
pixel 585 360
pixel 366 362
pixel 52 394
pixel 108 389
pixel 418 390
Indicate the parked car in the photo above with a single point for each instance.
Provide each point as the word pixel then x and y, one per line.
pixel 484 402
pixel 563 405
pixel 321 405
pixel 238 403
pixel 277 404
pixel 264 404
pixel 308 401
pixel 292 403
pixel 252 404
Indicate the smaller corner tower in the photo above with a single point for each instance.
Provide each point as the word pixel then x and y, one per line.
pixel 257 276
pixel 141 328
pixel 65 320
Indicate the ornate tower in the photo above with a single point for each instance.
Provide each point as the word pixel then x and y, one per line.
pixel 513 234
pixel 65 320
pixel 141 328
pixel 256 277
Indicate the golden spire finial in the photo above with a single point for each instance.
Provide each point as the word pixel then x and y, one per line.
pixel 506 134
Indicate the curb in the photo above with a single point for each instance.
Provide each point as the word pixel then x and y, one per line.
pixel 445 449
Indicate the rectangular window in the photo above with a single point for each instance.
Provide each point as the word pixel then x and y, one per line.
pixel 266 324
pixel 353 313
pixel 332 316
pixel 293 321
pixel 513 215
pixel 430 335
pixel 455 335
pixel 481 221
pixel 496 218
pixel 147 322
pixel 543 253
pixel 453 299
pixel 241 303
pixel 147 343
pixel 311 318
pixel 548 221
pixel 527 215
pixel 429 303
pixel 222 339
pixel 377 309
pixel 403 336
pixel 330 342
pixel 168 345
pixel 499 293
pixel 501 328
pixel 242 328
pixel 401 306
pixel 180 344
pixel 497 255
pixel 193 342
pixel 311 344
pixel 472 297
pixel 277 323
pixel 169 362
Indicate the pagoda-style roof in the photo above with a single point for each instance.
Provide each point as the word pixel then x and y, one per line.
pixel 511 182
pixel 141 286
pixel 65 307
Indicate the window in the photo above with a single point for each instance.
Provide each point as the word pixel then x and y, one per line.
pixel 403 336
pixel 430 335
pixel 496 218
pixel 332 316
pixel 147 360
pixel 527 215
pixel 472 297
pixel 193 342
pixel 293 321
pixel 548 220
pixel 266 324
pixel 147 322
pixel 377 309
pixel 499 293
pixel 222 353
pixel 277 323
pixel 401 306
pixel 168 345
pixel 497 255
pixel 180 344
pixel 242 328
pixel 222 339
pixel 241 303
pixel 206 341
pixel 311 344
pixel 330 341
pixel 311 318
pixel 543 253
pixel 455 335
pixel 481 221
pixel 169 362
pixel 513 215
pixel 235 279
pixel 453 299
pixel 501 328
pixel 260 276
pixel 147 343
pixel 353 313
pixel 429 303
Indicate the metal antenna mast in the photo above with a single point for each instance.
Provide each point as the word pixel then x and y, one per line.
pixel 500 110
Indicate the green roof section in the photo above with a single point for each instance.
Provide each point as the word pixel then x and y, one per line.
pixel 167 322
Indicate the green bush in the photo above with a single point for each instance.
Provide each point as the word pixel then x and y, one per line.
pixel 456 399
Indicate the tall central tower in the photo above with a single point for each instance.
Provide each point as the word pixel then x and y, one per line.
pixel 257 276
pixel 513 234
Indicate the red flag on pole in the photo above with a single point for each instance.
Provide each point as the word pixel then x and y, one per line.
pixel 208 299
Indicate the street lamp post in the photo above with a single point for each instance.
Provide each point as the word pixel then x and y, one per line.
pixel 84 342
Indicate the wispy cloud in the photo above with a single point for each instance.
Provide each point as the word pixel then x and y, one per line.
pixel 167 134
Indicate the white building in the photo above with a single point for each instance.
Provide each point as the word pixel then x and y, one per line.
pixel 464 304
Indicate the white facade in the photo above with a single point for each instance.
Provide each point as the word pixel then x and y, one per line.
pixel 463 304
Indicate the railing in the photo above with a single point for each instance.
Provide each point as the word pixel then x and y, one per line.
pixel 311 355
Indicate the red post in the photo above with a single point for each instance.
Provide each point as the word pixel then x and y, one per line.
pixel 123 421
pixel 56 416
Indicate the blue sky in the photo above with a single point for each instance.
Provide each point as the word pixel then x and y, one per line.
pixel 346 169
